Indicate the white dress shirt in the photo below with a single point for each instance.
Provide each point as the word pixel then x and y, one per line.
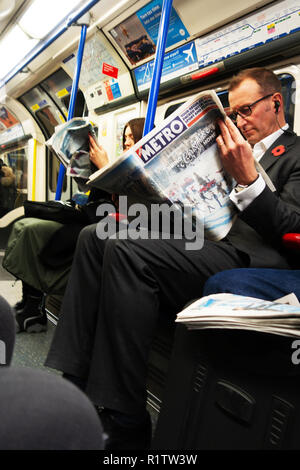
pixel 243 198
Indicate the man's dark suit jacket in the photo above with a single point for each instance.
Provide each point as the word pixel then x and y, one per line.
pixel 258 229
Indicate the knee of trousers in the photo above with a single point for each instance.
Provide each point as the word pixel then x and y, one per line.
pixel 87 233
pixel 89 243
pixel 114 245
pixel 232 280
pixel 220 282
pixel 116 251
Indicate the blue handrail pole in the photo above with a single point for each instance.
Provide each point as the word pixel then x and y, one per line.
pixel 158 65
pixel 75 83
pixel 71 109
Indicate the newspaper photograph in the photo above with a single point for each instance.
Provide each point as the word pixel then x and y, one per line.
pixel 70 143
pixel 178 162
pixel 241 312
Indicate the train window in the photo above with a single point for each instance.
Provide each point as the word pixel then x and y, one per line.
pixel 49 103
pixel 14 193
pixel 58 86
pixel 80 105
pixel 172 108
pixel 48 115
pixel 13 162
pixel 17 160
pixel 288 89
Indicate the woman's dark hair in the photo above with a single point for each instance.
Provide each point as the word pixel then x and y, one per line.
pixel 137 127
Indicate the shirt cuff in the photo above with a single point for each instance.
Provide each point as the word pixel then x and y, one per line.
pixel 243 198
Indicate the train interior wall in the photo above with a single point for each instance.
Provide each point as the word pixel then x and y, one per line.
pixel 31 349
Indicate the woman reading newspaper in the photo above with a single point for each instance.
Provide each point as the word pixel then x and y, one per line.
pixel 40 252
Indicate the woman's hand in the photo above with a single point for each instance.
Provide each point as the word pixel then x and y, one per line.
pixel 98 155
pixel 236 153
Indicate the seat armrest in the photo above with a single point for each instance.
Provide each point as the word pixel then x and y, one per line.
pixel 12 216
pixel 291 241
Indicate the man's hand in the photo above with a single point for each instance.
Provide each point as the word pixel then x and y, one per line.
pixel 98 155
pixel 236 153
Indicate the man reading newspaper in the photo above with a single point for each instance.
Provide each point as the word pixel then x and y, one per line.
pixel 118 287
pixel 175 169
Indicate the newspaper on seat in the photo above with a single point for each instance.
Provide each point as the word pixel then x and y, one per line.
pixel 246 313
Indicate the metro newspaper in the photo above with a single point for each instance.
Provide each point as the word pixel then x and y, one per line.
pixel 246 313
pixel 178 163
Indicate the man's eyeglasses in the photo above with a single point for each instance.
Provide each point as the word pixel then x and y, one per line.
pixel 246 110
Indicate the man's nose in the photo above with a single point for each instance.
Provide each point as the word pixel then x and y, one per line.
pixel 240 121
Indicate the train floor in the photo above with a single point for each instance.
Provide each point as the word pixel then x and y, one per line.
pixel 31 349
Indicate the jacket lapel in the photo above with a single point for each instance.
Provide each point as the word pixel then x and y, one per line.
pixel 287 140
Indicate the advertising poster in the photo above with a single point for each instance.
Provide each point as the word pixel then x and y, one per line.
pixel 176 63
pixel 6 117
pixel 137 35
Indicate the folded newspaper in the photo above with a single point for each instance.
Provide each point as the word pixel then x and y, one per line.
pixel 70 143
pixel 178 162
pixel 246 313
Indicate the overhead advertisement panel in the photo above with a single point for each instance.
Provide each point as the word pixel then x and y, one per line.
pixel 176 63
pixel 10 127
pixel 268 24
pixel 137 35
pixel 149 17
pixel 257 29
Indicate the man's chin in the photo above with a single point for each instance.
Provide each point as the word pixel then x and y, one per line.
pixel 251 137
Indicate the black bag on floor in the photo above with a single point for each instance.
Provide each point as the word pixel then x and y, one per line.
pixel 230 390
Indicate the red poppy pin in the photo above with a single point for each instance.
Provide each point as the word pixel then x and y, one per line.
pixel 279 150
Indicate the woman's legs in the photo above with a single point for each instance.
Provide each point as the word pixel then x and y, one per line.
pixel 28 237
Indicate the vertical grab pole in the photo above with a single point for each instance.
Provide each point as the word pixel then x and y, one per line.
pixel 34 169
pixel 71 110
pixel 158 64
